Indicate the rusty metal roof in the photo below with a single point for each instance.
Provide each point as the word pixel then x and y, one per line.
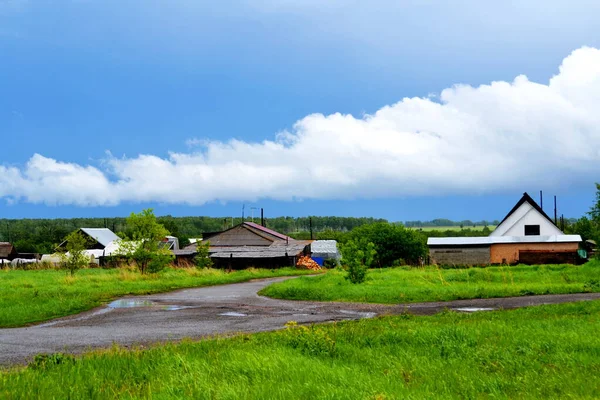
pixel 6 250
pixel 268 231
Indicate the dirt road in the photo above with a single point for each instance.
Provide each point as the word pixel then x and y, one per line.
pixel 197 313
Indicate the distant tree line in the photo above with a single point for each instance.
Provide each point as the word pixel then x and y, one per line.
pixel 43 235
pixel 442 222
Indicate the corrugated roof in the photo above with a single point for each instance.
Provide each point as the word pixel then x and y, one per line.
pixel 324 246
pixel 6 249
pixel 102 235
pixel 489 240
pixel 277 249
pixel 268 231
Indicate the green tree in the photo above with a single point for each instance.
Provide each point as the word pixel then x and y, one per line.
pixel 203 255
pixel 357 259
pixel 73 257
pixel 392 242
pixel 143 242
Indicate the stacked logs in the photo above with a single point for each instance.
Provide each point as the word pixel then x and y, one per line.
pixel 306 262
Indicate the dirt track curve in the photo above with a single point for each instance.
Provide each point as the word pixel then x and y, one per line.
pixel 197 313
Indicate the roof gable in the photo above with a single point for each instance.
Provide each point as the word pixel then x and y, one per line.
pixel 7 250
pixel 526 212
pixel 104 236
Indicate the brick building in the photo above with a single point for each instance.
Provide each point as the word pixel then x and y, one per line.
pixel 526 235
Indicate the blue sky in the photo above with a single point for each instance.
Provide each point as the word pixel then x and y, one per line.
pixel 110 106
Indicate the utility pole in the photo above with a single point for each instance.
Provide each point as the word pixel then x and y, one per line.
pixel 252 210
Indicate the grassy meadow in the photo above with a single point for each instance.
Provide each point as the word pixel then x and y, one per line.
pixel 411 284
pixel 536 352
pixel 39 295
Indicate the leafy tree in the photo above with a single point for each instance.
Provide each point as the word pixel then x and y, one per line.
pixel 203 257
pixel 73 256
pixel 143 242
pixel 357 259
pixel 392 242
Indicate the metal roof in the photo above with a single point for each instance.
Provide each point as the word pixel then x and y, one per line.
pixel 277 249
pixel 6 249
pixel 324 246
pixel 269 231
pixel 489 240
pixel 102 235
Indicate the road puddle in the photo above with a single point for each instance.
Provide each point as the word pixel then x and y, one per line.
pixel 233 314
pixel 359 313
pixel 473 309
pixel 130 303
pixel 177 308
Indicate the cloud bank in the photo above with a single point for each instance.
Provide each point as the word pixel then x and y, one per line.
pixel 492 138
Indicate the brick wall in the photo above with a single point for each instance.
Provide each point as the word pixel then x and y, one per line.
pixel 508 253
pixel 460 255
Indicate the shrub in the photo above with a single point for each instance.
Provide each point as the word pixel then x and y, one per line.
pixel 357 259
pixel 203 257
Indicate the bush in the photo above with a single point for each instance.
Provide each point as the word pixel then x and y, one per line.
pixel 330 263
pixel 392 242
pixel 357 259
pixel 202 259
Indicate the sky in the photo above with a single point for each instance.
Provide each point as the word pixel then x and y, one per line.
pixel 405 110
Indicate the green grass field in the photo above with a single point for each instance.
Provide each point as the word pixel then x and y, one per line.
pixel 34 296
pixel 401 285
pixel 537 352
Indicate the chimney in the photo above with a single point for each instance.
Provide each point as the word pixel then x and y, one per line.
pixel 262 217
pixel 541 200
pixel 555 215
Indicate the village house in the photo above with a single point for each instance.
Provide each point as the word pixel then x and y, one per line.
pixel 249 245
pixel 526 235
pixel 7 251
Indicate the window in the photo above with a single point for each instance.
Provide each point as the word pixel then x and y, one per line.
pixel 532 230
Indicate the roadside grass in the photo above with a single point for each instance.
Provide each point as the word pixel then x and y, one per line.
pixel 34 296
pixel 411 284
pixel 536 352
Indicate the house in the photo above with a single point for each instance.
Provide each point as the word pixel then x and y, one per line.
pixel 249 245
pixel 526 235
pixel 99 238
pixel 7 251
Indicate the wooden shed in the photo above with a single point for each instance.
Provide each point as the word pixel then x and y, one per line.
pixel 7 251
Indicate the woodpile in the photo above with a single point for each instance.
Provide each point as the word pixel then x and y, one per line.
pixel 306 262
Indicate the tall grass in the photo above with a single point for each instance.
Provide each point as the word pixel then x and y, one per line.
pixel 35 296
pixel 538 352
pixel 400 285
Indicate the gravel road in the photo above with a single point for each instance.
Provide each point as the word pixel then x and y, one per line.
pixel 197 313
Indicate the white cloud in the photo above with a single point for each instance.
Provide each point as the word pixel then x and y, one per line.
pixel 497 137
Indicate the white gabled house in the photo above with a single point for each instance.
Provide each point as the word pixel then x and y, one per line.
pixel 526 235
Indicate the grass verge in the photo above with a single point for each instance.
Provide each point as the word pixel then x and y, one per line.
pixel 537 352
pixel 34 296
pixel 403 285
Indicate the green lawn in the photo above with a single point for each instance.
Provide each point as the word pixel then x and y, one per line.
pixel 537 352
pixel 400 285
pixel 35 296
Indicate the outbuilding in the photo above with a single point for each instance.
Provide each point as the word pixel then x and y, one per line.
pixel 526 235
